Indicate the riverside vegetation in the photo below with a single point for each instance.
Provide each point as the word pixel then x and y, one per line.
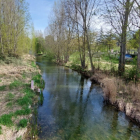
pixel 17 100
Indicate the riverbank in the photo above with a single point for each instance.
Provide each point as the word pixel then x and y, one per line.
pixel 125 96
pixel 16 97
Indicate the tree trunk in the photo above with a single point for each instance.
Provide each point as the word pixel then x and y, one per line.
pixel 121 68
pixel 138 59
pixel 90 56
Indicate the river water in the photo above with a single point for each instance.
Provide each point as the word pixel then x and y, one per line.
pixel 73 109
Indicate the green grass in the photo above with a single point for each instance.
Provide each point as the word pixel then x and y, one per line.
pixel 19 138
pixel 0 130
pixel 39 82
pixel 23 123
pixel 24 101
pixel 15 84
pixel 9 97
pixel 33 64
pixel 27 99
pixel 2 88
pixel 110 59
pixel 6 119
pixel 10 104
pixel 24 111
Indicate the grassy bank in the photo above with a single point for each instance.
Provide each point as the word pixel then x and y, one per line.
pixel 16 97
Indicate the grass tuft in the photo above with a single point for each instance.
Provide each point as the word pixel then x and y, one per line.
pixel 23 123
pixel 2 88
pixel 15 84
pixel 0 130
pixel 9 97
pixel 6 119
pixel 24 111
pixel 19 138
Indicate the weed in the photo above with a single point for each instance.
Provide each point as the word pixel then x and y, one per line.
pixel 23 75
pixel 19 138
pixel 39 82
pixel 33 64
pixel 10 104
pixel 24 111
pixel 2 88
pixel 24 101
pixel 15 84
pixel 9 97
pixel 0 130
pixel 23 123
pixel 6 119
pixel 41 99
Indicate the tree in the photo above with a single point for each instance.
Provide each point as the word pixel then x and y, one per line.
pixel 81 14
pixel 118 13
pixel 14 21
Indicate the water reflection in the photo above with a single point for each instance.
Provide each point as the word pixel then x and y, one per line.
pixel 73 109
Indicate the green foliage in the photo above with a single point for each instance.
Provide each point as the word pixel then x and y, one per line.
pixel 131 74
pixel 9 97
pixel 24 101
pixel 0 130
pixel 23 123
pixel 41 99
pixel 2 88
pixel 77 68
pixel 19 138
pixel 75 58
pixel 24 111
pixel 135 40
pixel 111 59
pixel 33 64
pixel 39 82
pixel 15 84
pixel 6 119
pixel 10 104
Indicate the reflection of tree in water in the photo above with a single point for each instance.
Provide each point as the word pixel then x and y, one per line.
pixel 128 131
pixel 69 114
pixel 112 119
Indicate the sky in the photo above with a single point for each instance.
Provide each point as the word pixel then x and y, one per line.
pixel 40 11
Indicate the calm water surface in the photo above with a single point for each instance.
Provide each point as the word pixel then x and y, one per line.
pixel 73 109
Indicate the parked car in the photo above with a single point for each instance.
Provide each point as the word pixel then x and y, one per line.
pixel 128 57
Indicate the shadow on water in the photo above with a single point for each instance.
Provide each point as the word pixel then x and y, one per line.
pixel 72 108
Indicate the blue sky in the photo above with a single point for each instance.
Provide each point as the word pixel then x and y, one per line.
pixel 40 10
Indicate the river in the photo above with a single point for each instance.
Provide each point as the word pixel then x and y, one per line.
pixel 73 109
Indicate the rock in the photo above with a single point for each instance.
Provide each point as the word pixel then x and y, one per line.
pixel 128 109
pixel 120 92
pixel 121 105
